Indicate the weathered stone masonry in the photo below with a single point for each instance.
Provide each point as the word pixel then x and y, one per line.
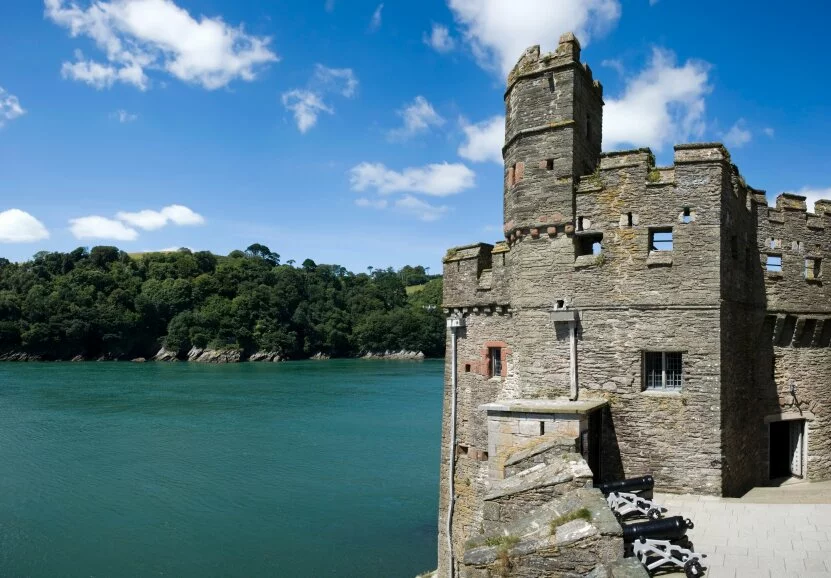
pixel 755 343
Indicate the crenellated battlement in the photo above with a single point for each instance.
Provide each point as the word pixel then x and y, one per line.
pixel 534 63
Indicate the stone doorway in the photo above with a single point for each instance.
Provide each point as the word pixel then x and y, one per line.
pixel 787 449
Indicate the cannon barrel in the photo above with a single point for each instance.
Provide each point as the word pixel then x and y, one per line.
pixel 673 528
pixel 630 485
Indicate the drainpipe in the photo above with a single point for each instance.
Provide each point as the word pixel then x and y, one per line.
pixel 572 327
pixel 454 323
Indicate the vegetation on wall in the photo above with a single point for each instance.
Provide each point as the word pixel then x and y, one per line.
pixel 105 303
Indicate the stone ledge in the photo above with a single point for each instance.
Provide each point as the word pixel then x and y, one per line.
pixel 659 259
pixel 582 407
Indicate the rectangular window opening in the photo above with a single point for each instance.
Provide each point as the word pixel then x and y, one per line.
pixel 542 428
pixel 549 164
pixel 660 239
pixel 467 368
pixel 813 268
pixel 588 245
pixel 579 223
pixel 629 219
pixel 687 216
pixel 774 263
pixel 808 333
pixel 786 337
pixel 461 449
pixel 663 370
pixel 495 355
pixel 552 84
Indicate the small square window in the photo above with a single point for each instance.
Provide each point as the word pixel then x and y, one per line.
pixel 774 264
pixel 588 245
pixel 813 268
pixel 663 370
pixel 467 368
pixel 495 357
pixel 549 164
pixel 629 219
pixel 579 223
pixel 687 216
pixel 660 239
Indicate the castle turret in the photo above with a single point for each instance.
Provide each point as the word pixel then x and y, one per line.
pixel 553 131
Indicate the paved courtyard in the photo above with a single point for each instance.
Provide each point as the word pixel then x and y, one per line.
pixel 775 532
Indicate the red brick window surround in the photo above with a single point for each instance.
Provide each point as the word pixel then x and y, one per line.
pixel 495 358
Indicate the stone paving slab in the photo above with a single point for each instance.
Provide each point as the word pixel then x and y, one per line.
pixel 770 532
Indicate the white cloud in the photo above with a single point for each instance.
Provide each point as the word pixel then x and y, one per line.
pixel 18 226
pixel 420 209
pixel 151 220
pixel 371 204
pixel 738 135
pixel 418 117
pixel 101 76
pixel 306 106
pixel 10 108
pixel 342 80
pixel 769 132
pixel 136 35
pixel 123 116
pixel 662 105
pixel 499 31
pixel 375 22
pixel 812 195
pixel 483 140
pixel 439 39
pixel 95 227
pixel 615 64
pixel 438 180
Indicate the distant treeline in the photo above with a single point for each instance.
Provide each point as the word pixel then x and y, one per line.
pixel 106 303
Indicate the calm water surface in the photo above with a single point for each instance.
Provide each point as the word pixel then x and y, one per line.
pixel 296 469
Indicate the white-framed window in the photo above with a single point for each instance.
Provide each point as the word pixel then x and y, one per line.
pixel 663 370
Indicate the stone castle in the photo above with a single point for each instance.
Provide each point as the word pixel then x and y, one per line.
pixel 655 320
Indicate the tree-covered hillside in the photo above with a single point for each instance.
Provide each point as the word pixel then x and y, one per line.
pixel 105 303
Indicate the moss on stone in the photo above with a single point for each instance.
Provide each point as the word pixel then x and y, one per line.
pixel 580 514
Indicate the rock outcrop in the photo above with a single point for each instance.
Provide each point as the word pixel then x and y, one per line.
pixel 320 356
pixel 200 355
pixel 268 356
pixel 18 356
pixel 165 355
pixel 403 354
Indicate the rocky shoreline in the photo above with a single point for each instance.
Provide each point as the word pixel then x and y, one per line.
pixel 200 355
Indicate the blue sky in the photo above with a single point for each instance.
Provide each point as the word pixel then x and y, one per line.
pixel 361 133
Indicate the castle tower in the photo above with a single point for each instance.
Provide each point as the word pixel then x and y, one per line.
pixel 553 131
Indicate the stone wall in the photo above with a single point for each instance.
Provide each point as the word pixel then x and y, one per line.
pixel 746 334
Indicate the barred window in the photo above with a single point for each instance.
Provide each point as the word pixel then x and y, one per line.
pixel 663 370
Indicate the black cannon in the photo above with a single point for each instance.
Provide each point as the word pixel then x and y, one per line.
pixel 630 485
pixel 658 543
pixel 674 528
pixel 632 497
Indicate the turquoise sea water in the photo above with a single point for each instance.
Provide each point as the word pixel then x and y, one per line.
pixel 296 469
